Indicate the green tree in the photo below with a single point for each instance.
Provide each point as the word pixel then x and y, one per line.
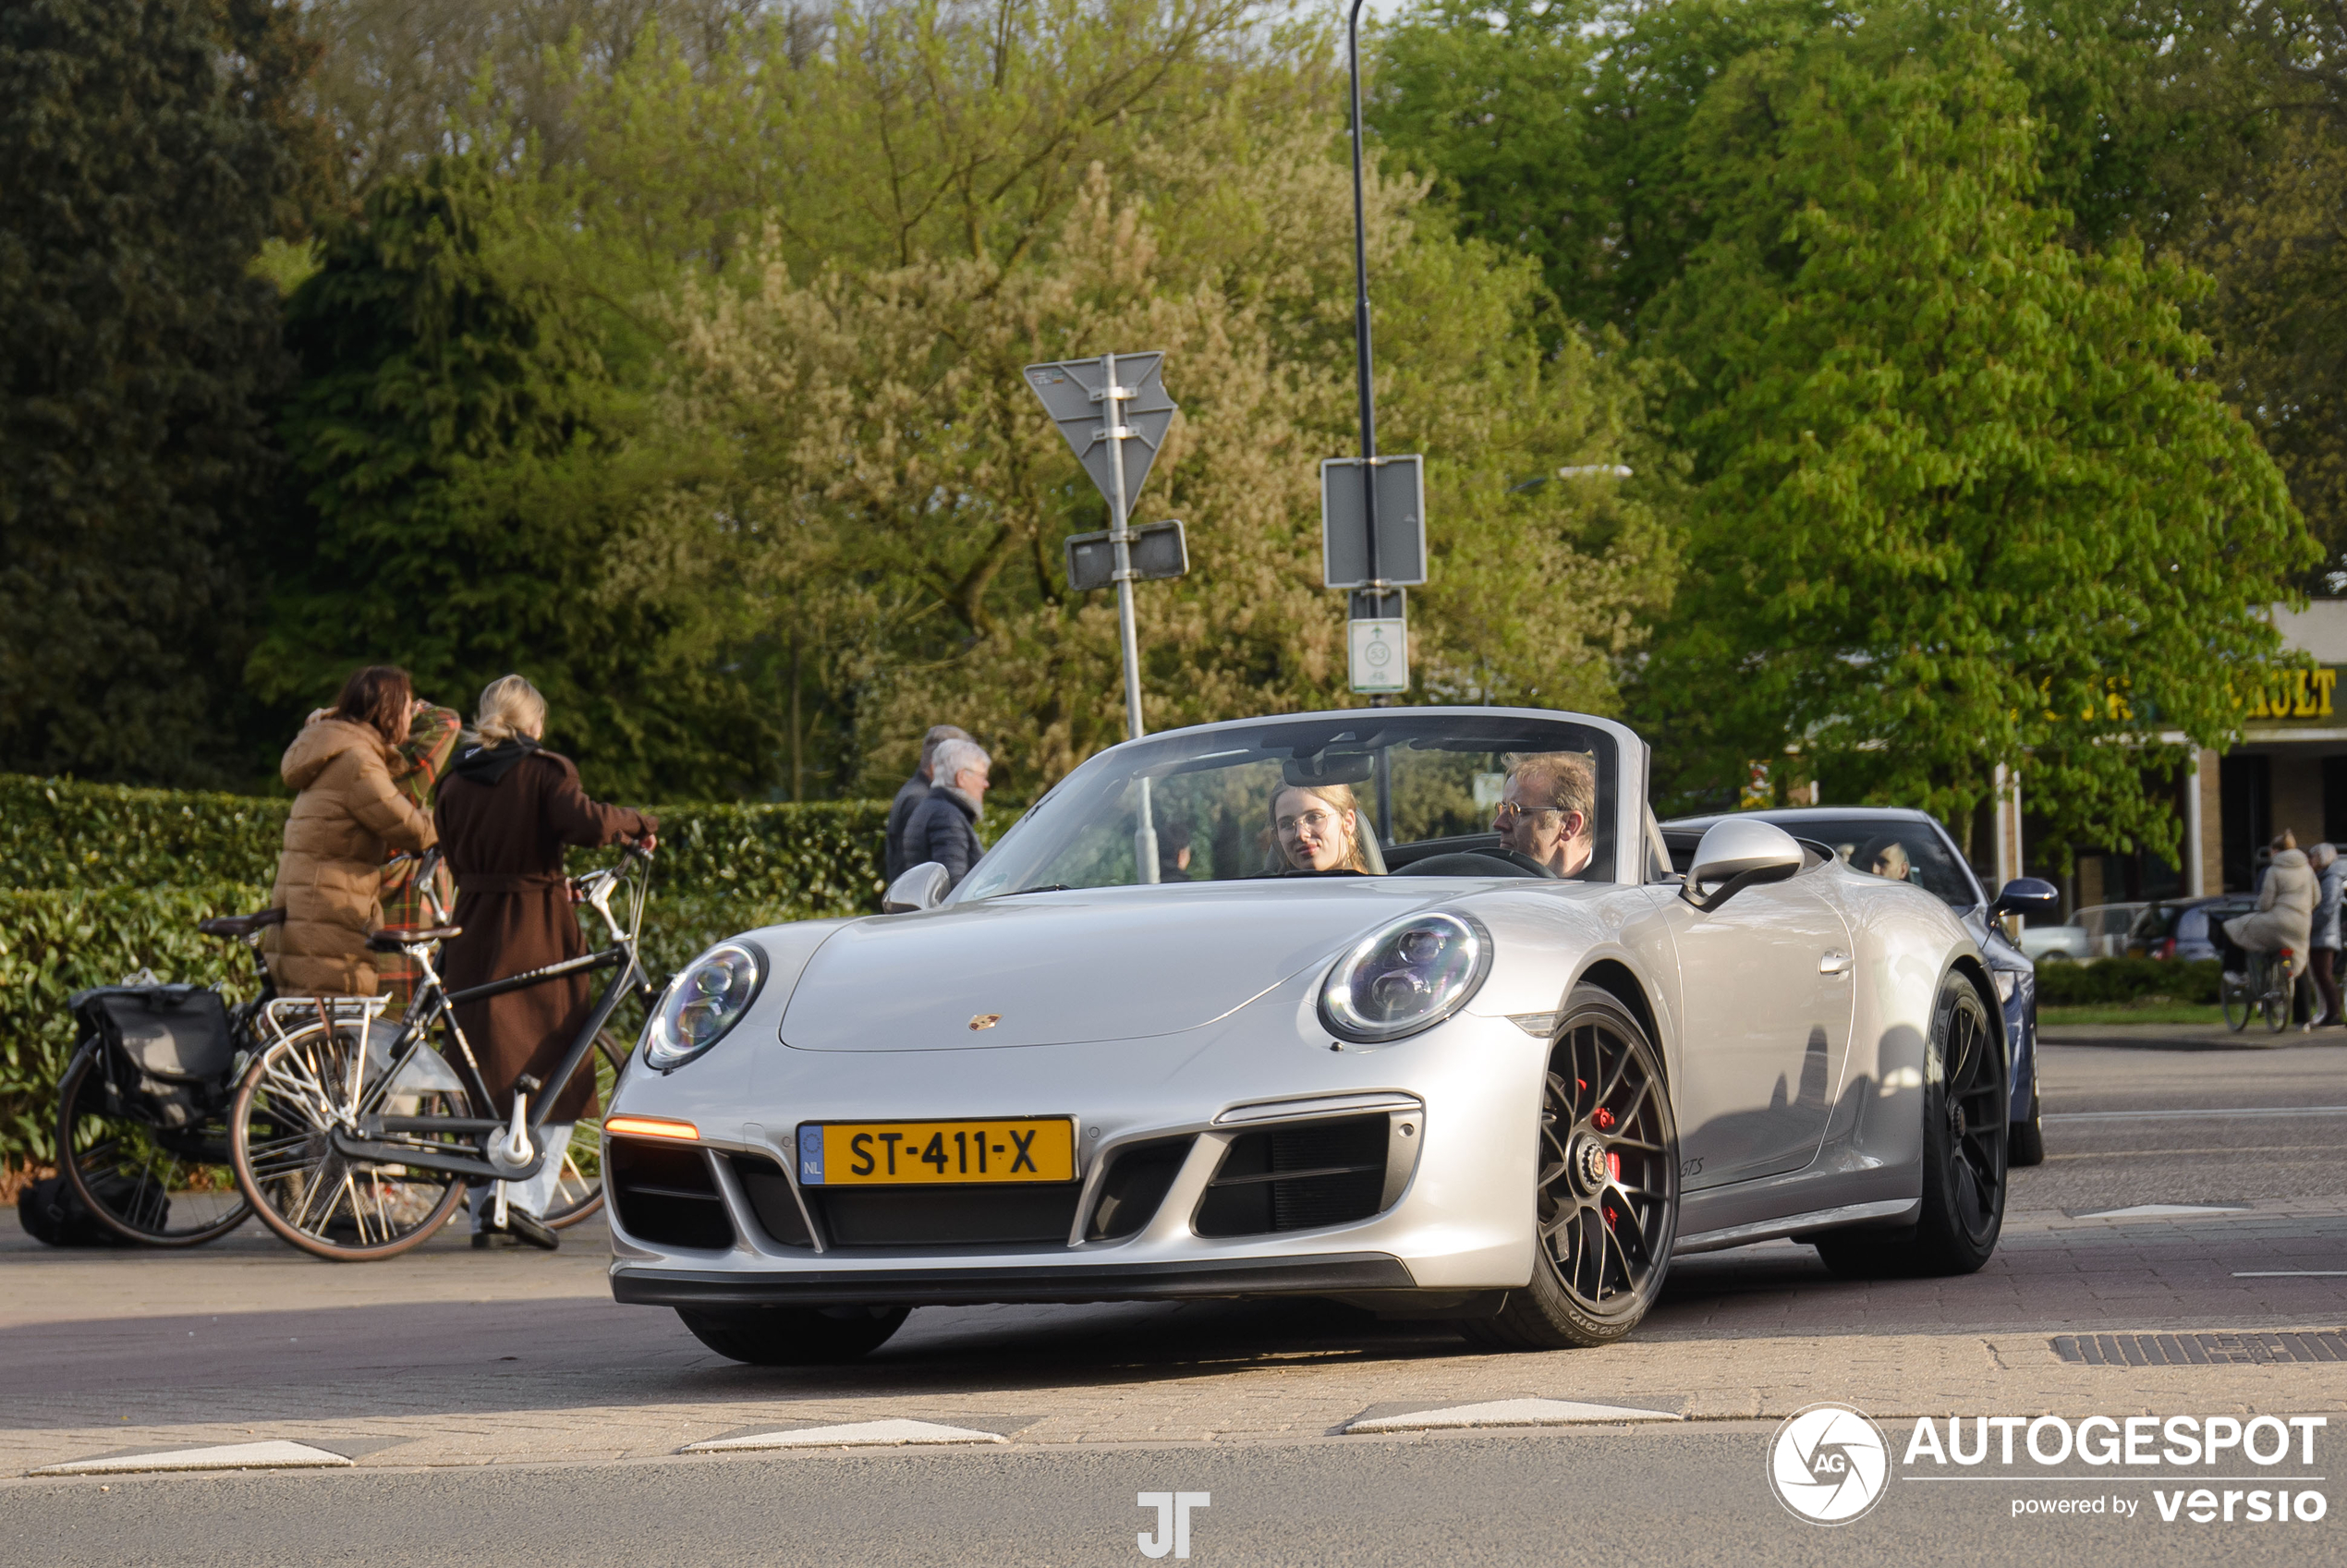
pixel 151 146
pixel 1963 500
pixel 471 489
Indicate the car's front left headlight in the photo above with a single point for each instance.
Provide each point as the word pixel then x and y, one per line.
pixel 1408 977
pixel 712 993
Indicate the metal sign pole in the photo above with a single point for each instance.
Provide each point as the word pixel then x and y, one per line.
pixel 1120 535
pixel 1361 301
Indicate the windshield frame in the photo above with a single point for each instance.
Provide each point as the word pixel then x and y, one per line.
pixel 1621 796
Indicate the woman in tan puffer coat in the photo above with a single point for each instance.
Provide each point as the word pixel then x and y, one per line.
pixel 347 820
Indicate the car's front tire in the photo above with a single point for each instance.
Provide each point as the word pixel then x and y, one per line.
pixel 1606 1191
pixel 794 1336
pixel 1966 1090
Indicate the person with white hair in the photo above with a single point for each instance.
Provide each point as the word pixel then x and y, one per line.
pixel 909 797
pixel 506 811
pixel 944 828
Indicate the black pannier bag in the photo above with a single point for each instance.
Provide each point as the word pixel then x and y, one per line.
pixel 169 1048
pixel 51 1211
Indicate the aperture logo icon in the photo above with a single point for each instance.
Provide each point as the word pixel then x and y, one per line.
pixel 1828 1463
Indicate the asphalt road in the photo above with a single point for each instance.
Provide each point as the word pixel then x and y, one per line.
pixel 1696 1499
pixel 518 1416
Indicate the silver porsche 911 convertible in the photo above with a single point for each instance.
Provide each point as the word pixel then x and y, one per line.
pixel 1403 1007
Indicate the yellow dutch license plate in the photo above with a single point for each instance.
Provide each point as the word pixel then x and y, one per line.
pixel 1027 1149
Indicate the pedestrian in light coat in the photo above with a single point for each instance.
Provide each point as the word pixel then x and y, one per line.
pixel 2285 913
pixel 2330 880
pixel 945 828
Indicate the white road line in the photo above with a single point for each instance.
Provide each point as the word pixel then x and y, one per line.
pixel 2196 1115
pixel 2158 1212
pixel 1508 1413
pixel 2291 1274
pixel 895 1432
pixel 275 1455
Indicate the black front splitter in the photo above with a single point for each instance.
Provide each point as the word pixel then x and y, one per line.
pixel 1325 1274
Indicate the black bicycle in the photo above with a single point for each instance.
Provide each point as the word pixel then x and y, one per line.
pixel 142 1106
pixel 356 1139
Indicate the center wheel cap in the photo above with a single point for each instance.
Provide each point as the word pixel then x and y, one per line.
pixel 1591 1170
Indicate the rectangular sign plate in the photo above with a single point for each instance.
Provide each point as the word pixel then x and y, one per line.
pixel 1024 1148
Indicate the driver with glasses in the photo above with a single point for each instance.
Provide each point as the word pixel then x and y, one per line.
pixel 1546 809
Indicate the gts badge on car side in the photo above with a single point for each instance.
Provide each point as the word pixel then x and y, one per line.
pixel 985 1020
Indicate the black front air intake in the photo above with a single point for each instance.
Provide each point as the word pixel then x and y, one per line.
pixel 1139 1178
pixel 768 1190
pixel 663 1195
pixel 1297 1178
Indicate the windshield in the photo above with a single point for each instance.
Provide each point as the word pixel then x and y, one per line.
pixel 1903 851
pixel 1375 793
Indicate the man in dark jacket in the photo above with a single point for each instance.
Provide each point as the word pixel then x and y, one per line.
pixel 944 827
pixel 908 800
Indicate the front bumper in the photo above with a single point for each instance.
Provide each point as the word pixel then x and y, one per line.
pixel 1454 1215
pixel 1335 1274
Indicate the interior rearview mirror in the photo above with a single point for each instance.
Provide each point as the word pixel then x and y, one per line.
pixel 1736 855
pixel 923 887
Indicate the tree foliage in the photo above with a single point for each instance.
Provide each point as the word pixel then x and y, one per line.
pixel 150 148
pixel 1963 502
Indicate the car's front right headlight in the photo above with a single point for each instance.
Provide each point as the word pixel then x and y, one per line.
pixel 1408 977
pixel 705 1001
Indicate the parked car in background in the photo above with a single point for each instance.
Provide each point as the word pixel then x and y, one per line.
pixel 1913 847
pixel 2099 931
pixel 2179 927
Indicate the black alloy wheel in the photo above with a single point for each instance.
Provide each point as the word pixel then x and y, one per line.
pixel 794 1336
pixel 1965 1105
pixel 149 1184
pixel 1606 1188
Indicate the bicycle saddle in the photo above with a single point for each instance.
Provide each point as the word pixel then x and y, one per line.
pixel 391 939
pixel 240 925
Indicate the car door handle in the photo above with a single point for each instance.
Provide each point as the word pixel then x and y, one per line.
pixel 1834 963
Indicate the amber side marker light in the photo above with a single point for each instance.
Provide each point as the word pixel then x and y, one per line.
pixel 652 1127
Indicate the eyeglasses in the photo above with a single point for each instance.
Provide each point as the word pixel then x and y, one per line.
pixel 1316 821
pixel 1509 813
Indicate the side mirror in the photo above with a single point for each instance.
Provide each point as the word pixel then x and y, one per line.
pixel 1736 853
pixel 923 887
pixel 2027 895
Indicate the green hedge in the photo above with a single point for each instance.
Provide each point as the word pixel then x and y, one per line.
pixel 823 858
pixel 97 882
pixel 2108 980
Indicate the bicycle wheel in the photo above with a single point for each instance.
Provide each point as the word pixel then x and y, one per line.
pixel 579 1194
pixel 351 1211
pixel 2275 1004
pixel 158 1187
pixel 2237 998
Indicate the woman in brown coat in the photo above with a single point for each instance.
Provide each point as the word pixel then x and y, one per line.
pixel 505 813
pixel 346 819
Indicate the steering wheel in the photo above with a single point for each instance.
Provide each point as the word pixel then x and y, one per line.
pixel 1517 858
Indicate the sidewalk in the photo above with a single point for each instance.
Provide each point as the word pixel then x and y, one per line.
pixel 2184 1037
